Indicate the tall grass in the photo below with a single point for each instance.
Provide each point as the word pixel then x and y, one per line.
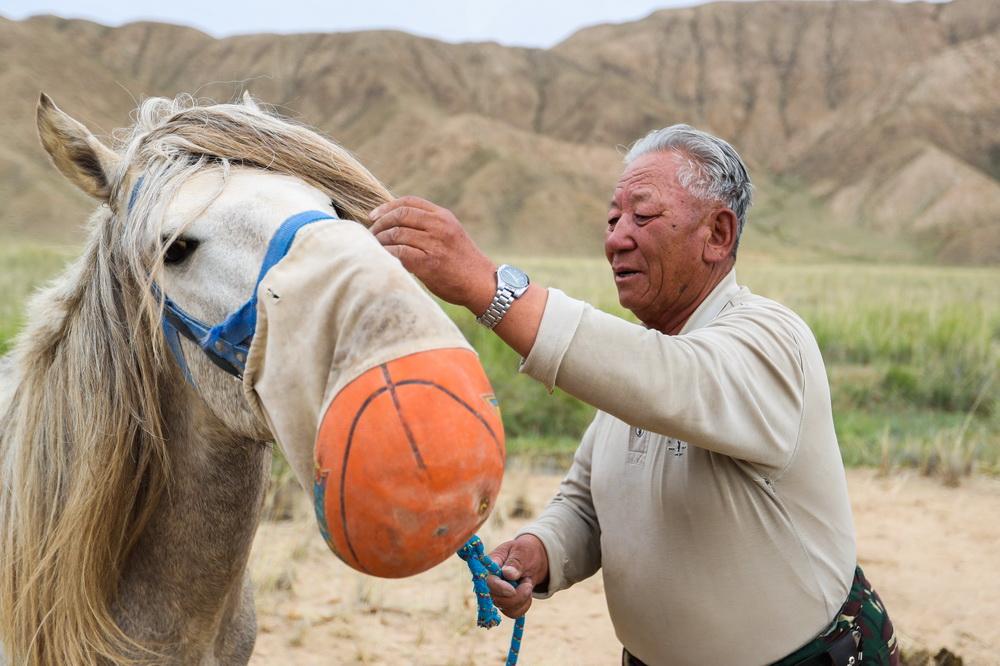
pixel 913 352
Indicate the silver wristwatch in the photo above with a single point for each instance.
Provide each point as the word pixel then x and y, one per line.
pixel 512 282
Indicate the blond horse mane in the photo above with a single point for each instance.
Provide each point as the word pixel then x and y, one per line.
pixel 83 454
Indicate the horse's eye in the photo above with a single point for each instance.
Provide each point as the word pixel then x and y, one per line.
pixel 179 250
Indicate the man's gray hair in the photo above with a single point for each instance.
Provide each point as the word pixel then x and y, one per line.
pixel 713 170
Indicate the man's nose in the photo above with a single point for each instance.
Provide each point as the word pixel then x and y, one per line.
pixel 619 238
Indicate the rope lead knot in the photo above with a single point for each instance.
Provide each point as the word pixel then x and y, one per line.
pixel 487 615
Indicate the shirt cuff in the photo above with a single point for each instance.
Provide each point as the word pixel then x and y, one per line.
pixel 556 556
pixel 555 332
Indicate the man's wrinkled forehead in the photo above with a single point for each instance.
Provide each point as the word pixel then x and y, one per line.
pixel 649 176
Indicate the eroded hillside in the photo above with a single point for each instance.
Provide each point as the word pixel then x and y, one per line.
pixel 872 128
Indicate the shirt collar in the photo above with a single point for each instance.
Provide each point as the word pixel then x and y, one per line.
pixel 713 304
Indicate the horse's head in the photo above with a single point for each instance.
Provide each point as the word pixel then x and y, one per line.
pixel 194 199
pixel 199 198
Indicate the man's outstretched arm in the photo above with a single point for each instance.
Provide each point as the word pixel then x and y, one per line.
pixel 432 244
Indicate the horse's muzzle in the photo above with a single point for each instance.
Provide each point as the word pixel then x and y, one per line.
pixel 409 458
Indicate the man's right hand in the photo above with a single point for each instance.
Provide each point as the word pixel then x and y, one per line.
pixel 524 559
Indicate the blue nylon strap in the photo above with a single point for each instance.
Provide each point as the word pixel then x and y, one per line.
pixel 228 344
pixel 487 615
pixel 174 343
pixel 135 192
pixel 229 357
pixel 240 326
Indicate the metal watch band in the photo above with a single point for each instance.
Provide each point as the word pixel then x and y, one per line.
pixel 498 308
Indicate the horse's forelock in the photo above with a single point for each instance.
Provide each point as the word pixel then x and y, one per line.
pixel 176 133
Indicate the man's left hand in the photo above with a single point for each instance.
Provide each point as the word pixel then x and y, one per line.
pixel 432 244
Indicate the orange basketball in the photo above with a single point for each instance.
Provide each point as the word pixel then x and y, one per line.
pixel 409 459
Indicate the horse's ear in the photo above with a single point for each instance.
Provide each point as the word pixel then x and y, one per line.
pixel 76 152
pixel 249 101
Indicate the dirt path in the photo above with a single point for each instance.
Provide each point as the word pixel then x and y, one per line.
pixel 931 551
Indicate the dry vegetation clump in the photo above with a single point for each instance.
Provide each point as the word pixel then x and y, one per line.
pixel 943 657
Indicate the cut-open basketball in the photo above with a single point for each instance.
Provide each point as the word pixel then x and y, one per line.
pixel 409 459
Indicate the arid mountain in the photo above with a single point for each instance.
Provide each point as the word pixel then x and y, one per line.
pixel 872 128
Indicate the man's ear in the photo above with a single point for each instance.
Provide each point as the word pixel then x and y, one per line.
pixel 77 153
pixel 723 227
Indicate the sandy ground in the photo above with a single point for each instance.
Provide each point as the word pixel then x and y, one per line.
pixel 930 551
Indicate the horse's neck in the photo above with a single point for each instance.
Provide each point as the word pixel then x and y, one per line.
pixel 185 585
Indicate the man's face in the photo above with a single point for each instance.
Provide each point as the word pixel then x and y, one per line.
pixel 655 240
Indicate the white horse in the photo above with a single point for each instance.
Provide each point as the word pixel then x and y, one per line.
pixel 130 496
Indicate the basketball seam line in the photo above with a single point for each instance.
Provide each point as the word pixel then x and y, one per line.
pixel 343 473
pixel 467 406
pixel 402 419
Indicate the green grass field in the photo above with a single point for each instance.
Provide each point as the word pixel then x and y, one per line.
pixel 913 353
pixel 23 268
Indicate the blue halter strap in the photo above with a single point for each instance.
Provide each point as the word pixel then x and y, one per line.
pixel 227 344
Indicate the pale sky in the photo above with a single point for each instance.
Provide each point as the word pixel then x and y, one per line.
pixel 512 22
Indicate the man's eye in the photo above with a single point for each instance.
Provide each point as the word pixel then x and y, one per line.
pixel 179 250
pixel 612 221
pixel 642 219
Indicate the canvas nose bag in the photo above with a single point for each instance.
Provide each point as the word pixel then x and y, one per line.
pixel 376 399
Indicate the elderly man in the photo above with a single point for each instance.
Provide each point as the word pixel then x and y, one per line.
pixel 709 488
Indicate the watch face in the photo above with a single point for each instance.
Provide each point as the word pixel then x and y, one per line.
pixel 513 276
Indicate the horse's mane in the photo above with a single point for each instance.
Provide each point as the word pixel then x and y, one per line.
pixel 83 456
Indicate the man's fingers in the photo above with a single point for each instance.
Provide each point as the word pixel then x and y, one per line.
pixel 512 601
pixel 510 565
pixel 499 587
pixel 518 604
pixel 407 201
pixel 517 611
pixel 403 236
pixel 512 571
pixel 403 216
pixel 512 568
pixel 407 255
pixel 499 554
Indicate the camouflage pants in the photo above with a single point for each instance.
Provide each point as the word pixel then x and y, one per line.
pixel 864 610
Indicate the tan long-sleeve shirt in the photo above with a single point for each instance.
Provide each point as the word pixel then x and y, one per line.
pixel 709 489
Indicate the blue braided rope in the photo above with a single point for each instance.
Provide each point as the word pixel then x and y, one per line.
pixel 487 616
